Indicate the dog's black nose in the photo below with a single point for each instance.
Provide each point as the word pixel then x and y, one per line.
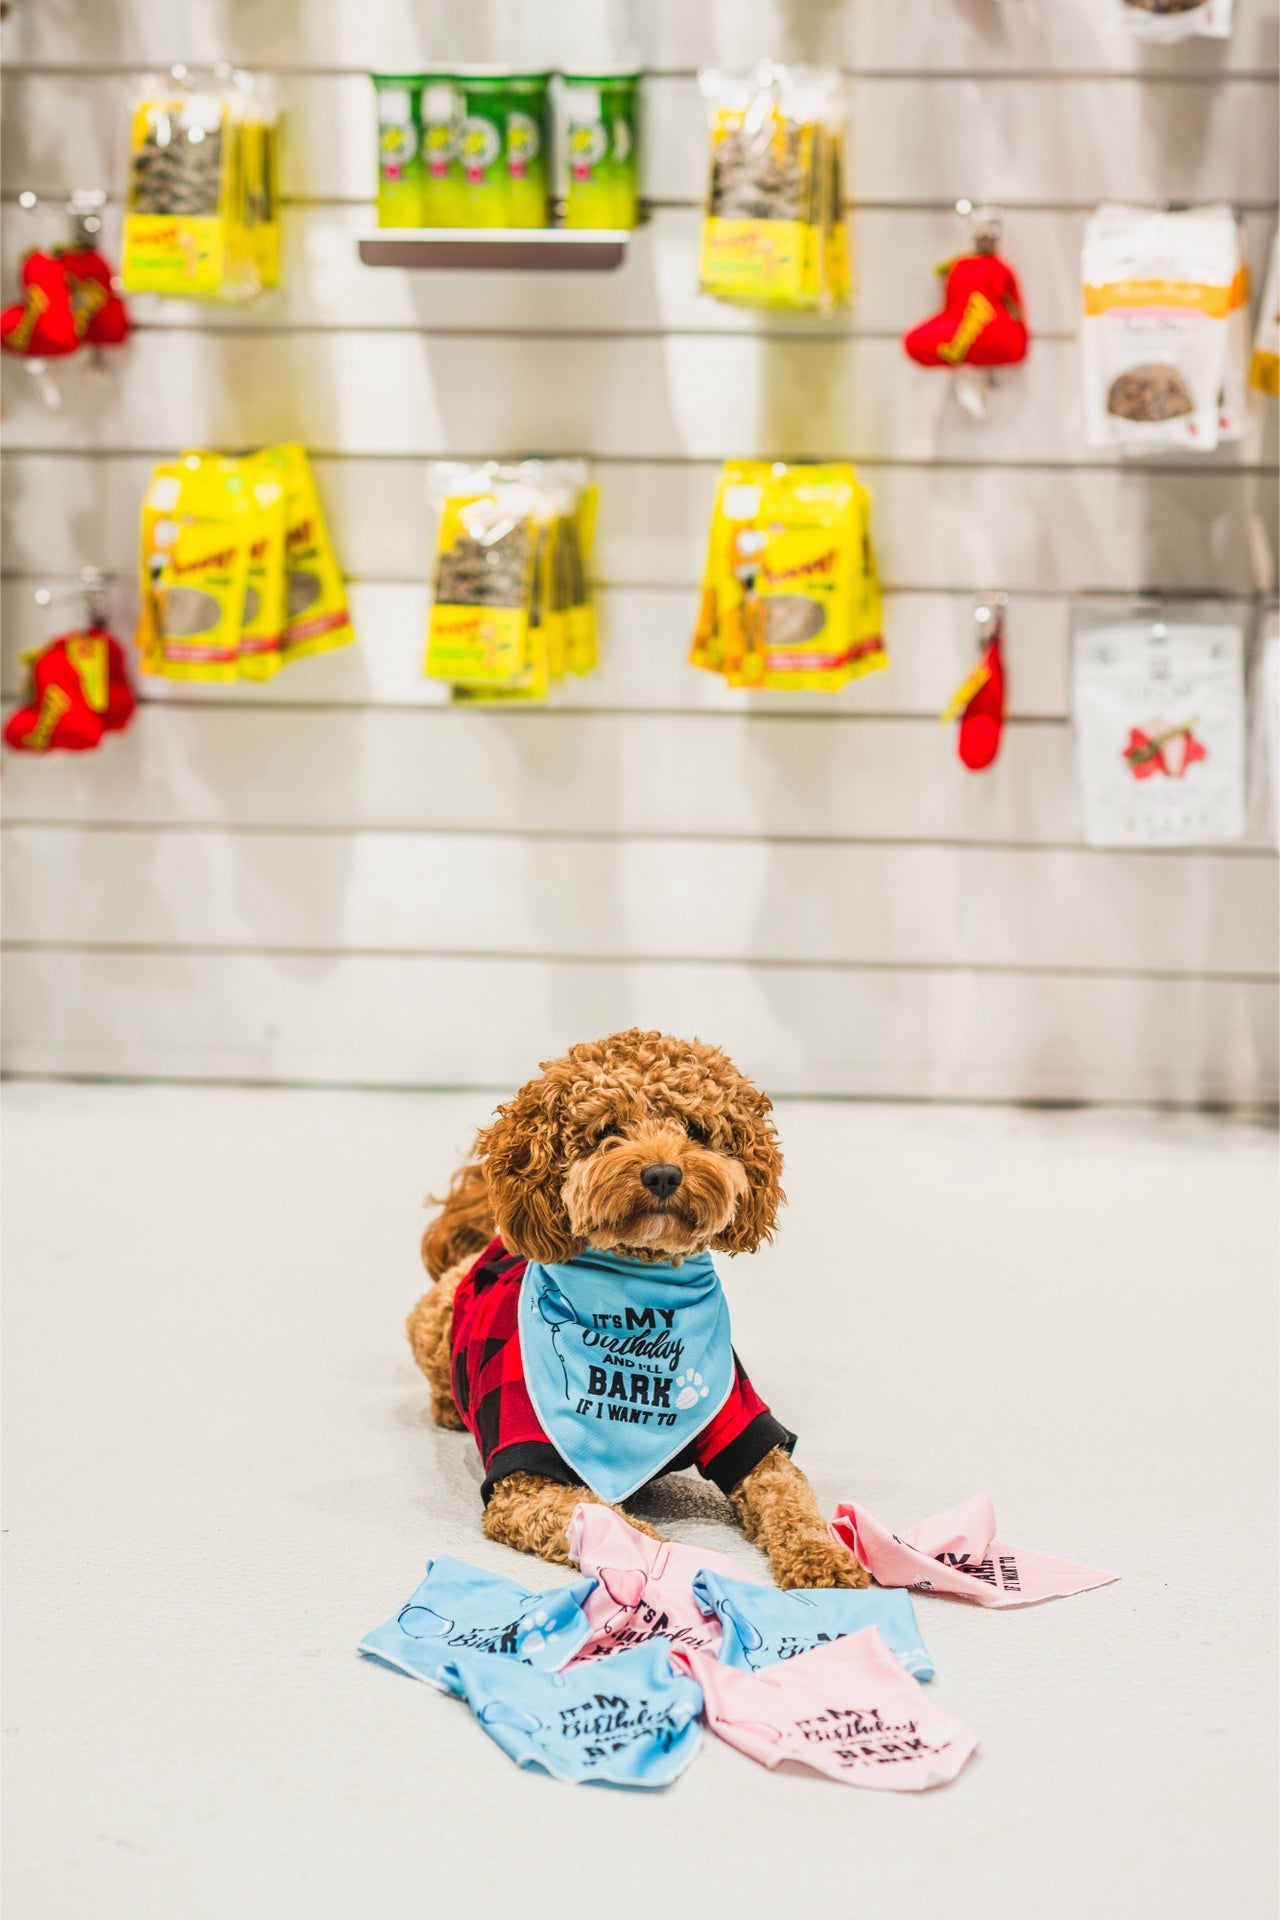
pixel 661 1178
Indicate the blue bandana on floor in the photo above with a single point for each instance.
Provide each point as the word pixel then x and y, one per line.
pixel 459 1608
pixel 762 1626
pixel 630 1721
pixel 625 1362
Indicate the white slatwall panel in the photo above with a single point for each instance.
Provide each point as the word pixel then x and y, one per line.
pixel 483 1022
pixel 1030 36
pixel 335 878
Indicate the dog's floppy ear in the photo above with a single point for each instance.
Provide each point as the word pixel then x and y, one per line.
pixel 522 1163
pixel 755 1144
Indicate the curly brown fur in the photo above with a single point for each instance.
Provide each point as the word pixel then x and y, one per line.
pixel 776 1506
pixel 464 1226
pixel 532 1514
pixel 430 1330
pixel 563 1158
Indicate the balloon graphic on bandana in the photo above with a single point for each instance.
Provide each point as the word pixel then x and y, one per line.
pixel 420 1623
pixel 749 1637
pixel 625 1585
pixel 556 1310
pixel 501 1713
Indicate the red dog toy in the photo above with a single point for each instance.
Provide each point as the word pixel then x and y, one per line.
pixel 68 297
pixel 981 323
pixel 79 691
pixel 99 311
pixel 43 325
pixel 978 702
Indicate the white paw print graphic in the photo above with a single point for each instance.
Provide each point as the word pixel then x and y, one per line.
pixel 691 1390
pixel 534 1639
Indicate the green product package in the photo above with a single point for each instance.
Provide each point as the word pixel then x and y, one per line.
pixel 441 134
pixel 528 133
pixel 600 136
pixel 400 164
pixel 480 169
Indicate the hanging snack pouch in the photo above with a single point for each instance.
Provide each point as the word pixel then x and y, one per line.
pixel 582 645
pixel 772 195
pixel 1234 400
pixel 316 615
pixel 528 150
pixel 484 578
pixel 1157 298
pixel 599 112
pixel 195 540
pixel 183 230
pixel 480 169
pixel 260 138
pixel 790 596
pixel 401 166
pixel 1264 367
pixel 261 652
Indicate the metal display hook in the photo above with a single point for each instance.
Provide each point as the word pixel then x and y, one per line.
pixel 90 588
pixel 988 618
pixel 974 386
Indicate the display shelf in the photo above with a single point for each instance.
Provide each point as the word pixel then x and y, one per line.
pixel 501 249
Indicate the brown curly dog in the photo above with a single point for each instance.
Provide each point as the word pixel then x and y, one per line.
pixel 657 1149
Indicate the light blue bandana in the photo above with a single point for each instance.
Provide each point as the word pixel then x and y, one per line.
pixel 631 1721
pixel 763 1626
pixel 625 1362
pixel 459 1608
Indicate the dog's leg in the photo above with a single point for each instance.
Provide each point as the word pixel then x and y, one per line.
pixel 778 1511
pixel 430 1327
pixel 532 1514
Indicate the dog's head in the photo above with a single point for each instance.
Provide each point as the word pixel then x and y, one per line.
pixel 648 1146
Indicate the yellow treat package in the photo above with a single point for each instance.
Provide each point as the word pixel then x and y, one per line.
pixel 579 541
pixel 484 577
pixel 512 611
pixel 260 184
pixel 194 553
pixel 316 615
pixel 262 631
pixel 184 225
pixel 773 230
pixel 790 597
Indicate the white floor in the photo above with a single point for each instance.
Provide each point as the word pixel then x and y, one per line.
pixel 220 1473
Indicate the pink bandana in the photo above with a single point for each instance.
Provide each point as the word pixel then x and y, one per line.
pixel 957 1553
pixel 645 1586
pixel 846 1709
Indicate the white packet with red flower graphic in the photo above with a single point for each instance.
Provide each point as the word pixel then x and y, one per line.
pixel 1159 716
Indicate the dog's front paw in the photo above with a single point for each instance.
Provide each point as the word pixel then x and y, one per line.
pixel 815 1560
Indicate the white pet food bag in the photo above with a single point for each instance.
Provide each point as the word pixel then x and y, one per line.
pixel 1233 401
pixel 1157 300
pixel 1170 19
pixel 1158 711
pixel 1265 744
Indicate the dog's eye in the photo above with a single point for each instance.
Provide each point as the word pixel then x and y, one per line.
pixel 610 1131
pixel 697 1134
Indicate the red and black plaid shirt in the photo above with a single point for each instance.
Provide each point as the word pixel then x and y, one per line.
pixel 491 1395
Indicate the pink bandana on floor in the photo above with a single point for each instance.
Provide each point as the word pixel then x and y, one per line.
pixel 957 1553
pixel 846 1709
pixel 645 1586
